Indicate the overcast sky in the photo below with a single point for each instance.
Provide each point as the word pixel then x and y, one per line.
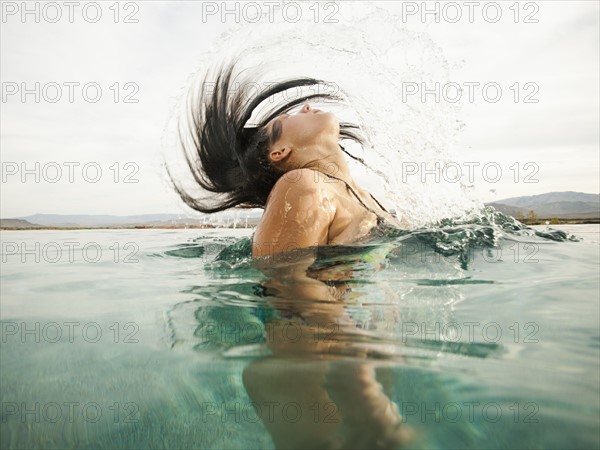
pixel 554 141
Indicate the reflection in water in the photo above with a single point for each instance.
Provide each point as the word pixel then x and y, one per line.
pixel 318 368
pixel 546 388
pixel 333 335
pixel 325 339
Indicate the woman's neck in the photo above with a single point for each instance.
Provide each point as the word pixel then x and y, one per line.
pixel 335 166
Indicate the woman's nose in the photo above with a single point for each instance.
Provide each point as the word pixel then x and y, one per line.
pixel 306 108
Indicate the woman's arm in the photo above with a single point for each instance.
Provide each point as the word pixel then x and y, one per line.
pixel 297 215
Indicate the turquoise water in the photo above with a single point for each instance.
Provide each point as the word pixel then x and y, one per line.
pixel 476 335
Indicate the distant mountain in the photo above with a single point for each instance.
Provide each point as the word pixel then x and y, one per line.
pixel 225 218
pixel 564 205
pixel 550 197
pixel 17 223
pixel 82 220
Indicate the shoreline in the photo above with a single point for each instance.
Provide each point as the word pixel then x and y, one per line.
pixel 135 227
pixel 555 221
pixel 214 227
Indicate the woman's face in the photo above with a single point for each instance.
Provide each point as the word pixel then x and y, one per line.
pixel 304 135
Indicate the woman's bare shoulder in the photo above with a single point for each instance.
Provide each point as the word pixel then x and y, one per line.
pixel 302 192
pixel 297 214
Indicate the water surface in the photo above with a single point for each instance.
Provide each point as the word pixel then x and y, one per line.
pixel 474 335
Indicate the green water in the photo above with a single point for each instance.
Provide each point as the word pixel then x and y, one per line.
pixel 474 335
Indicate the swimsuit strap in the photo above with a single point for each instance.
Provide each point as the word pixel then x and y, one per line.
pixel 380 205
pixel 380 219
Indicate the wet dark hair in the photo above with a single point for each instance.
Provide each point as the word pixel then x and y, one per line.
pixel 226 157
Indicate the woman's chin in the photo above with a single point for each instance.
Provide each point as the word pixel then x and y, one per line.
pixel 331 119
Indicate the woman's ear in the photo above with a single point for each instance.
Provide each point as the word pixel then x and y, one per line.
pixel 280 153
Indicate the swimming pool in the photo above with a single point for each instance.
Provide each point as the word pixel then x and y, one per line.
pixel 482 337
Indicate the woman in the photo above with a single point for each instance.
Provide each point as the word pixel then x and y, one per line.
pixel 292 165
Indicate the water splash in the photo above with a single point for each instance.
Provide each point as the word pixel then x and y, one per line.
pixel 449 237
pixel 369 56
pixel 420 280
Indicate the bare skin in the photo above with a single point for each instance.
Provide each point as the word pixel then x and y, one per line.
pixel 306 207
pixel 341 401
pixel 325 390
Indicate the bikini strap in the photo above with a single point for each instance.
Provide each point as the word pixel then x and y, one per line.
pixel 380 205
pixel 380 219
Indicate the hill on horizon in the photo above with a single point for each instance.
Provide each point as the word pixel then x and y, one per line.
pixel 562 205
pixel 225 218
pixel 17 223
